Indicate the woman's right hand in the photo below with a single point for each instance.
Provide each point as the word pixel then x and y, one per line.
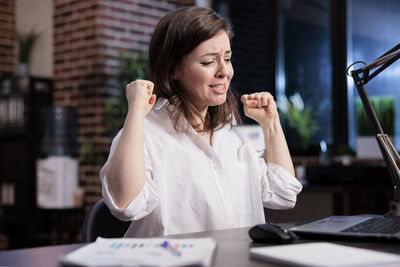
pixel 140 97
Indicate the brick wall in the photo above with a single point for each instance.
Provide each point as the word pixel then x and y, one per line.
pixel 7 36
pixel 88 38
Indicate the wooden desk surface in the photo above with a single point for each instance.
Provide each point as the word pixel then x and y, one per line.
pixel 232 250
pixel 35 257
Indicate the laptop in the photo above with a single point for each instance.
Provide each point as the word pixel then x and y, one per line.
pixel 365 227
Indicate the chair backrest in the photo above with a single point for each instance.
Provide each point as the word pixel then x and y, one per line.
pixel 100 222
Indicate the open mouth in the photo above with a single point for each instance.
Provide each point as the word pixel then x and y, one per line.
pixel 218 88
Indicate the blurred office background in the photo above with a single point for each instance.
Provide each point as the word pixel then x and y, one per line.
pixel 60 103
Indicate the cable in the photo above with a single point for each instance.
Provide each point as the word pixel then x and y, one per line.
pixel 357 62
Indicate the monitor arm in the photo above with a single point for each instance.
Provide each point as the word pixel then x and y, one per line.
pixel 361 77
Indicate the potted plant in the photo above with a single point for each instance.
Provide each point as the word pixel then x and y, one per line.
pixel 26 42
pixel 384 106
pixel 299 118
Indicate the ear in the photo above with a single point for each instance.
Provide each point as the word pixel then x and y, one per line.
pixel 177 73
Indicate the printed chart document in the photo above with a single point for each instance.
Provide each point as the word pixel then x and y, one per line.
pixel 323 254
pixel 143 252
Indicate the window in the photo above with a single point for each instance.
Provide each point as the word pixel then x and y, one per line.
pixel 304 63
pixel 372 30
pixel 301 46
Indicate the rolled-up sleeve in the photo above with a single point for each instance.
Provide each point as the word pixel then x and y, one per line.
pixel 143 204
pixel 279 187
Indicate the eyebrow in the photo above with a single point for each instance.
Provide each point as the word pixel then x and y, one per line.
pixel 215 53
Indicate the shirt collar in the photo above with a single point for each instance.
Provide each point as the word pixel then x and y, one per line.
pixel 160 103
pixel 164 102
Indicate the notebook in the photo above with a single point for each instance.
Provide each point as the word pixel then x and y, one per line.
pixel 323 254
pixel 368 227
pixel 143 252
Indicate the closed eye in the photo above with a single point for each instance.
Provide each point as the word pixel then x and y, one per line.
pixel 207 63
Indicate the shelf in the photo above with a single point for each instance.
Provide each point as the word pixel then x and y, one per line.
pixel 19 149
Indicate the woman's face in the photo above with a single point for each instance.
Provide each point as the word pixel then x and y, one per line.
pixel 205 73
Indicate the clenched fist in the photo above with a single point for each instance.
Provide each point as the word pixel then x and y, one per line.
pixel 140 97
pixel 260 107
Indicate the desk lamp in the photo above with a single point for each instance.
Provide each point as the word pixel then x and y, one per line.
pixel 361 77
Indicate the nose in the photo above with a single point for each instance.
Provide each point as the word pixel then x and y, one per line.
pixel 222 69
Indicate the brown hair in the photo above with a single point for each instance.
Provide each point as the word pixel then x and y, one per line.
pixel 176 35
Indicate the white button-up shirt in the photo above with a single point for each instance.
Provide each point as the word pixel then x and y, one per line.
pixel 192 186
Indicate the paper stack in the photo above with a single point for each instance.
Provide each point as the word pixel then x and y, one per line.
pixel 143 252
pixel 324 254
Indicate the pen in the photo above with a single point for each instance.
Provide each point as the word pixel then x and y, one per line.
pixel 170 248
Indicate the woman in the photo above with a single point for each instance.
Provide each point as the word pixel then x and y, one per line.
pixel 177 165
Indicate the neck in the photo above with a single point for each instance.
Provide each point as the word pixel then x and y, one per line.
pixel 199 120
pixel 203 111
pixel 207 135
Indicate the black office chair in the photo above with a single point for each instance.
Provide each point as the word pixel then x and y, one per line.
pixel 100 222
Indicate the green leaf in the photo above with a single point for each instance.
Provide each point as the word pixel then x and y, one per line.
pixel 384 107
pixel 301 122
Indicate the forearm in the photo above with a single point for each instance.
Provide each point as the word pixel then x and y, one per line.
pixel 276 149
pixel 125 171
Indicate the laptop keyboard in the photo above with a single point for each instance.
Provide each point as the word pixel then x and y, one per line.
pixel 376 226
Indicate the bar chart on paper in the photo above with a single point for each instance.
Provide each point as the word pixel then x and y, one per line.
pixel 143 251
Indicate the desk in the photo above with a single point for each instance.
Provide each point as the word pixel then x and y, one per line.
pixel 35 257
pixel 232 250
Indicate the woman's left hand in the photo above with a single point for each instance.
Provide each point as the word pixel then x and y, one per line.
pixel 260 107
